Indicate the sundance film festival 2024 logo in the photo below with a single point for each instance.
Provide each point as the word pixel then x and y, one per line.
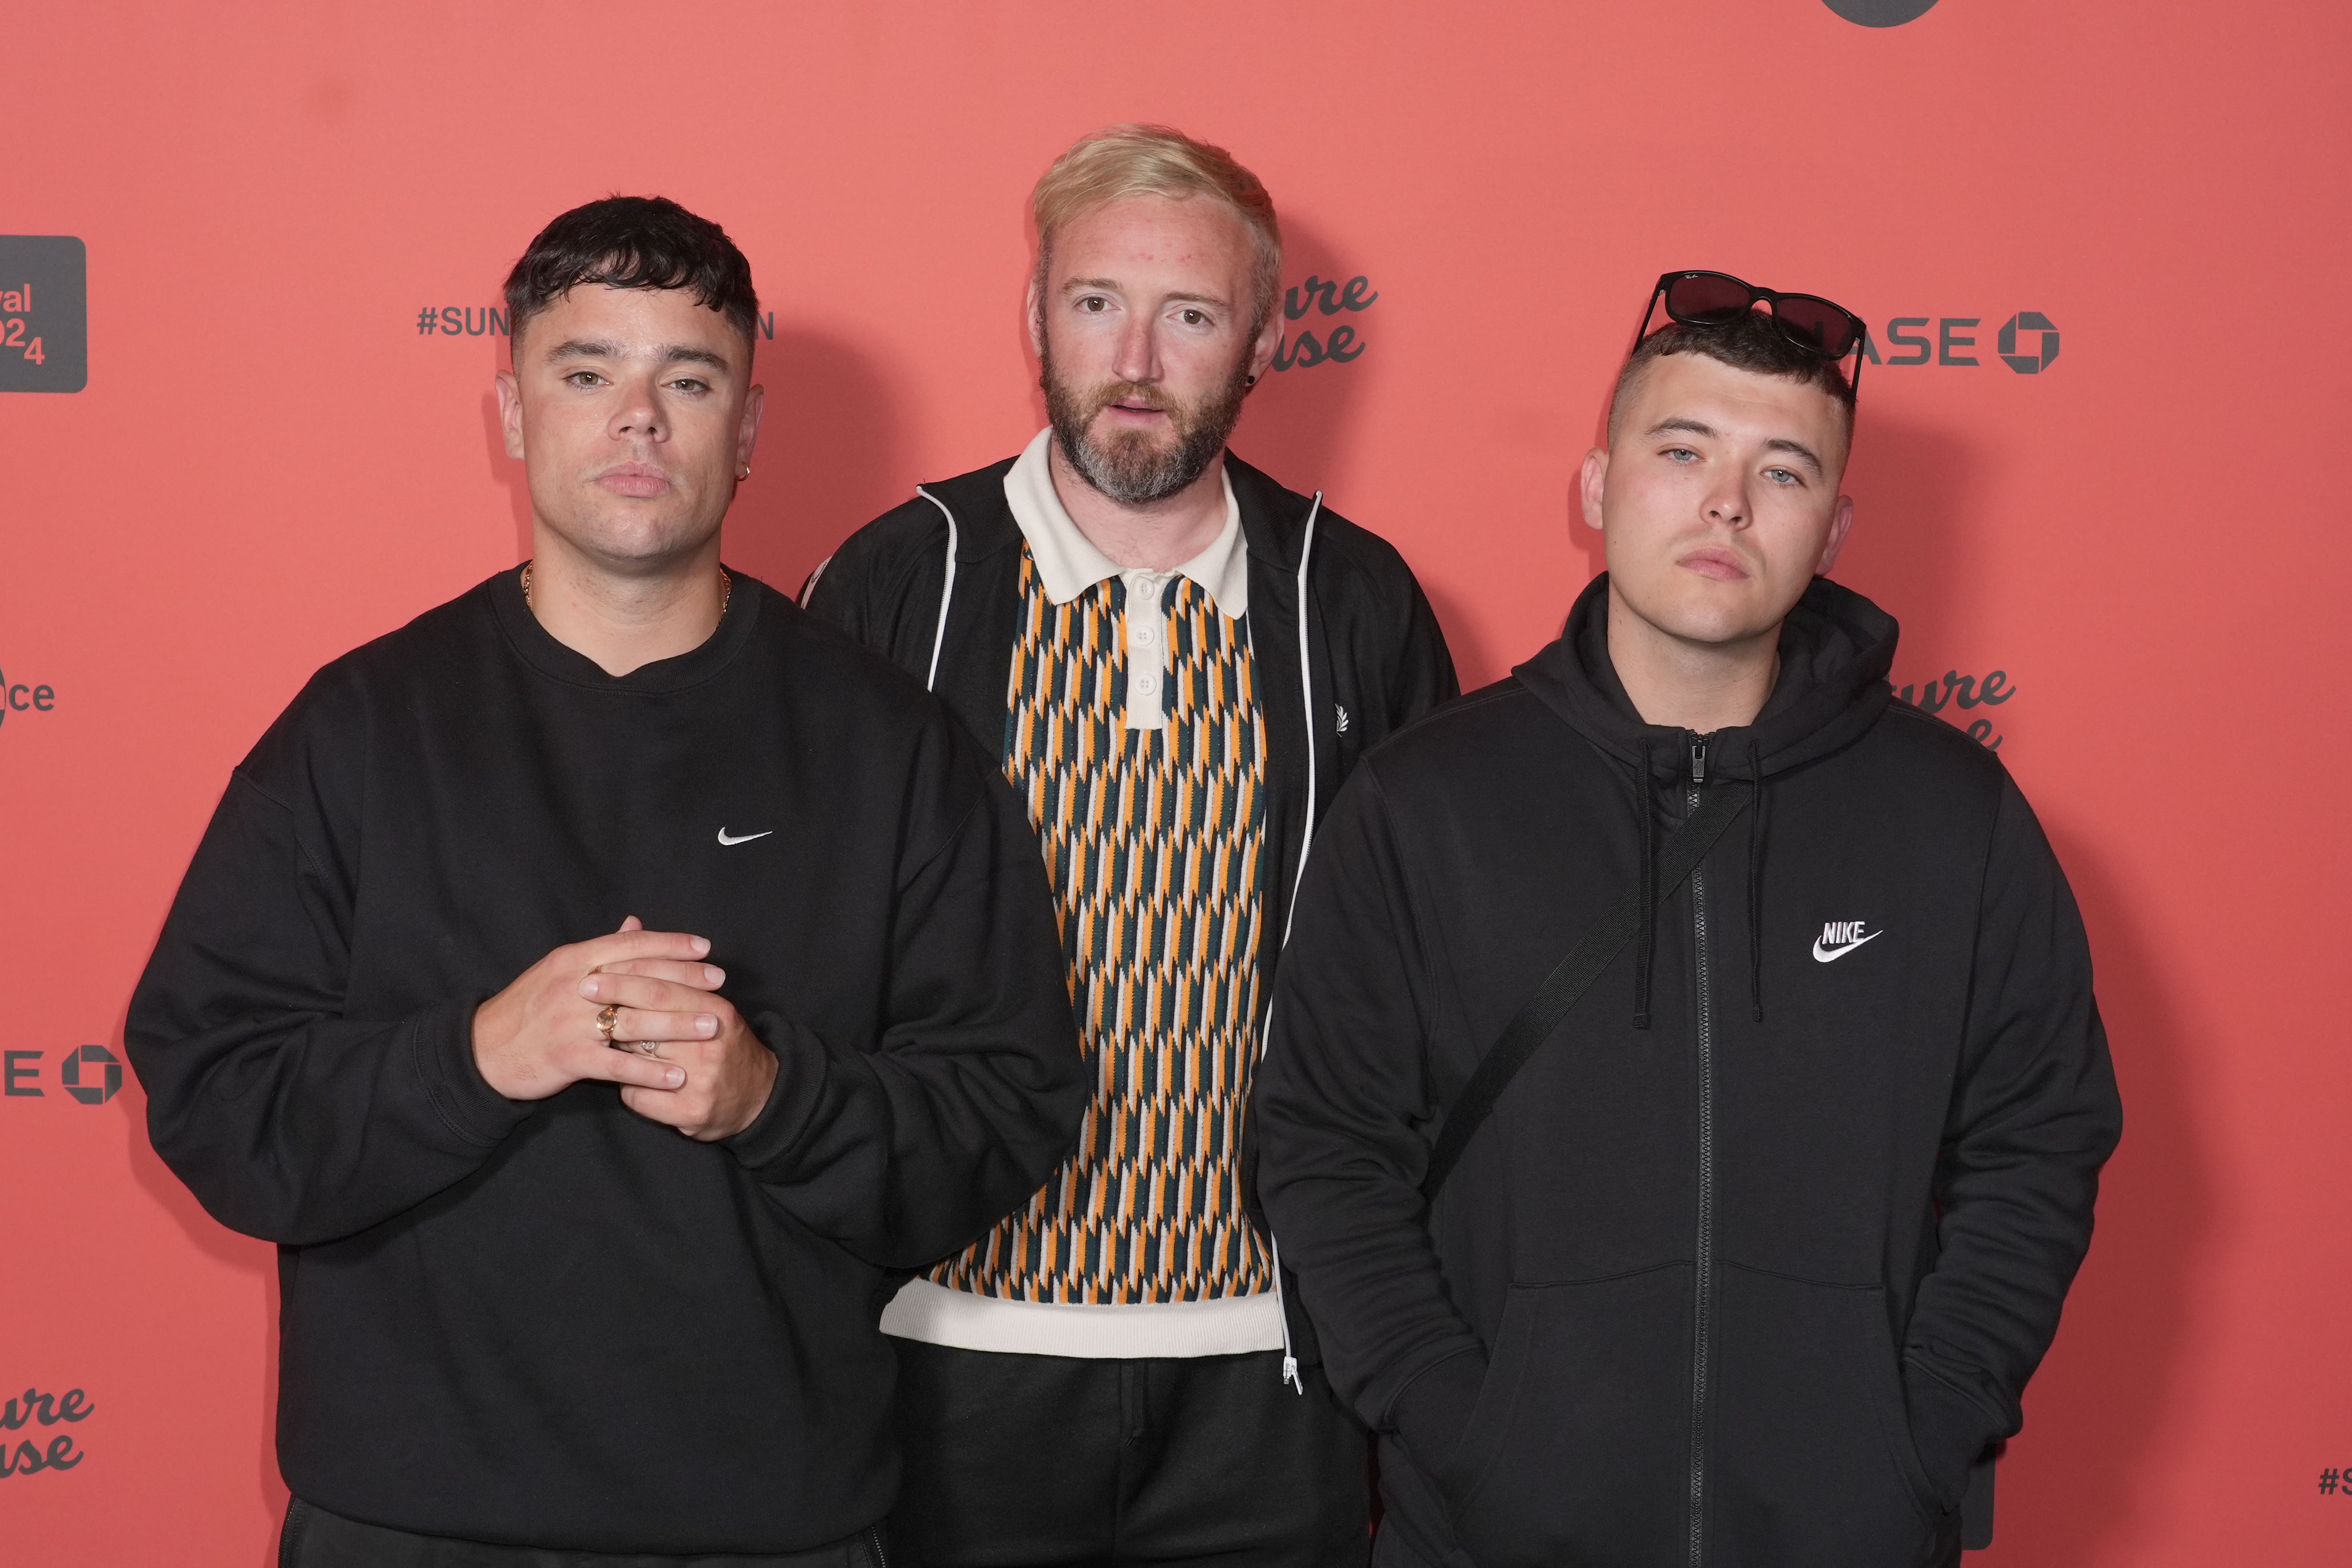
pixel 24 696
pixel 44 314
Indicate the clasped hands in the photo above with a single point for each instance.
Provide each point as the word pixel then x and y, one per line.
pixel 686 1059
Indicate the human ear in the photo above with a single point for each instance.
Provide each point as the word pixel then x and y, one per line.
pixel 510 411
pixel 747 435
pixel 1269 340
pixel 1841 520
pixel 1592 482
pixel 1034 301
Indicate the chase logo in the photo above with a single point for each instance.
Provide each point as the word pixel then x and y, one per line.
pixel 2027 342
pixel 2044 350
pixel 101 1083
pixel 1882 12
pixel 44 314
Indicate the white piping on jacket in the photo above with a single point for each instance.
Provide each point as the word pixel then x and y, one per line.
pixel 808 589
pixel 947 589
pixel 1306 841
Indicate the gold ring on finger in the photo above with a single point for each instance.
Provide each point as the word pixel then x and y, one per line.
pixel 606 1016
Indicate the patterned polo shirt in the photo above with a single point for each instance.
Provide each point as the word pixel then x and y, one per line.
pixel 1134 736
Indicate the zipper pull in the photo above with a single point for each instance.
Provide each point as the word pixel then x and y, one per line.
pixel 1698 759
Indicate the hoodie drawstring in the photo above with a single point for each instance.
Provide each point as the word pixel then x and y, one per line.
pixel 1646 945
pixel 1756 899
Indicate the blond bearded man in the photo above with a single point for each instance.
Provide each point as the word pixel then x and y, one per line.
pixel 1176 660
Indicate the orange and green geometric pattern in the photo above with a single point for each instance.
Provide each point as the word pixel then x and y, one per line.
pixel 1151 838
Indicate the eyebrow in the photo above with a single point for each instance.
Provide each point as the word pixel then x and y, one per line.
pixel 1691 426
pixel 670 354
pixel 1113 284
pixel 1797 449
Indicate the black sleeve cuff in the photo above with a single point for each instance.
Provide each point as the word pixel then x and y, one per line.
pixel 1432 1413
pixel 443 1040
pixel 766 1147
pixel 1949 1429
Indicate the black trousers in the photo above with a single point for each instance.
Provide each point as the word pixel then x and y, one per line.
pixel 1033 1461
pixel 313 1538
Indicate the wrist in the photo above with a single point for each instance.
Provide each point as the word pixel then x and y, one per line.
pixel 490 1035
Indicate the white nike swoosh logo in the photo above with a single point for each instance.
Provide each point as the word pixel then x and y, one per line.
pixel 744 839
pixel 1835 953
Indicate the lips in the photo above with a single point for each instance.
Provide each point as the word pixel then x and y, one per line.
pixel 639 479
pixel 1718 564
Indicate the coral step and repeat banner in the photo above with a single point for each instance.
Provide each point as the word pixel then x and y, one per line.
pixel 249 313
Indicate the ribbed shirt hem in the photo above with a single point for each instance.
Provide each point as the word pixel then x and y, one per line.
pixel 1227 1325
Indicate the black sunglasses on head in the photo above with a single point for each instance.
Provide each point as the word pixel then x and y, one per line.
pixel 1717 298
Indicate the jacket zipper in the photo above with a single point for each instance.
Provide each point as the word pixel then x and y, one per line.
pixel 874 1544
pixel 1702 1324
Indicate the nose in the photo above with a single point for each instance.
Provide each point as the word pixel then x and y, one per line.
pixel 1137 357
pixel 639 415
pixel 1728 502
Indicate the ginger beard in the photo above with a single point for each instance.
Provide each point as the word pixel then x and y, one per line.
pixel 1131 468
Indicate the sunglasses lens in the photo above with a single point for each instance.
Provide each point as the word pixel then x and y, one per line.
pixel 1709 299
pixel 1820 326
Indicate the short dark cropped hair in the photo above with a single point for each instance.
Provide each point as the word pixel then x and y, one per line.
pixel 1753 343
pixel 633 242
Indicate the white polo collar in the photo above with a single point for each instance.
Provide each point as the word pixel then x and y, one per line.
pixel 1068 563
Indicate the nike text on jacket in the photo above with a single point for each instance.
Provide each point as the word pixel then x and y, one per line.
pixel 935 586
pixel 560 1324
pixel 1753 1284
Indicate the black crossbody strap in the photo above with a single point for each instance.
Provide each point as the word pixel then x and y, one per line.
pixel 1571 978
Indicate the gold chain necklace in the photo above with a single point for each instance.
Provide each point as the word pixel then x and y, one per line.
pixel 726 590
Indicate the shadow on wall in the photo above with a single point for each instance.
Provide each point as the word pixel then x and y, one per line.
pixel 256 1260
pixel 828 461
pixel 2097 1414
pixel 830 458
pixel 1911 551
pixel 1295 421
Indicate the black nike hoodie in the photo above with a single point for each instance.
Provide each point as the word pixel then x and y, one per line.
pixel 1756 1255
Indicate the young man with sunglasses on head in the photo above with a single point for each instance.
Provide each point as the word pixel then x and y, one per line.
pixel 1683 1157
pixel 1176 660
pixel 581 1230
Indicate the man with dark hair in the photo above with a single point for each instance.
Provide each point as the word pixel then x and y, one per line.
pixel 1176 660
pixel 582 1235
pixel 1683 1155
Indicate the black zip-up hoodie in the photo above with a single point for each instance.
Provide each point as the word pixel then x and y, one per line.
pixel 556 1323
pixel 935 586
pixel 1757 1253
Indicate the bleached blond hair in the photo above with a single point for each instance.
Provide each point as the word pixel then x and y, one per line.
pixel 1122 161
